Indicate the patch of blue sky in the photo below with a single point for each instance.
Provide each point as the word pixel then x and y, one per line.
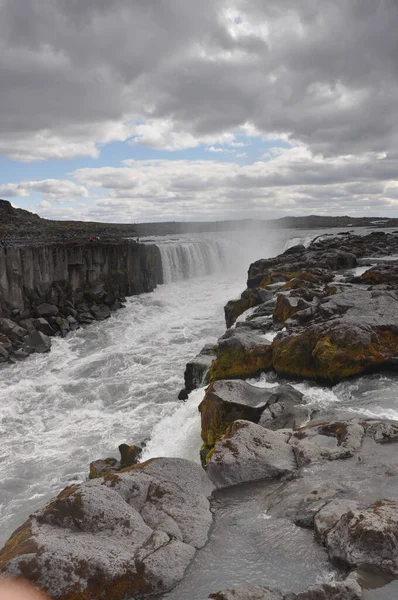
pixel 248 150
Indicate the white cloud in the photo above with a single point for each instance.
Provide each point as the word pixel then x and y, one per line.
pixel 57 190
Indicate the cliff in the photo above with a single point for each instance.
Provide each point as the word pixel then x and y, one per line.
pixel 52 288
pixel 30 275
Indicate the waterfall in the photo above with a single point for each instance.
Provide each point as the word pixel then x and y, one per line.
pixel 183 259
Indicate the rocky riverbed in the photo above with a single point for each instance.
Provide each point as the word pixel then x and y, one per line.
pixel 325 491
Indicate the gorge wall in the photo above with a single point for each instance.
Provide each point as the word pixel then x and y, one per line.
pixel 52 288
pixel 33 274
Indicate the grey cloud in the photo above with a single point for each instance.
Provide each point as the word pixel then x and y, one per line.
pixel 323 72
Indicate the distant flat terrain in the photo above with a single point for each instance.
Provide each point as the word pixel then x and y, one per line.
pixel 18 224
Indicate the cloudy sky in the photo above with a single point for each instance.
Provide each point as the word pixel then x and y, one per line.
pixel 157 110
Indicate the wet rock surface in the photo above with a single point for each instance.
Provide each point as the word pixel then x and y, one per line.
pixel 347 590
pixel 367 537
pixel 248 452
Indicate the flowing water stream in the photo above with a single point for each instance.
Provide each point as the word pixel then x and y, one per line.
pixel 117 381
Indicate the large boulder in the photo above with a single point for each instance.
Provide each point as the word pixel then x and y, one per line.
pixel 47 310
pixel 241 353
pixel 226 401
pixel 285 409
pixel 327 441
pixel 4 355
pixel 367 537
pixel 100 312
pixel 130 534
pixel 248 452
pixel 330 514
pixel 43 325
pixel 12 330
pixel 39 342
pixel 196 370
pixel 249 298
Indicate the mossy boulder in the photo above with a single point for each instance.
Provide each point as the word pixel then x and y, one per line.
pixel 334 351
pixel 241 363
pixel 225 402
pixel 379 275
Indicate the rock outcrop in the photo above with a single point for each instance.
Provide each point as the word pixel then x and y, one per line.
pixel 324 326
pixel 130 534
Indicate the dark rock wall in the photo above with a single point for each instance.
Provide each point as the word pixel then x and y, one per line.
pixel 33 274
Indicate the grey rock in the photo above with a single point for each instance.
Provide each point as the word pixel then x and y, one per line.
pixel 12 330
pixel 285 409
pixel 44 326
pixel 330 441
pixel 248 452
pixel 316 501
pixel 102 466
pixel 63 325
pixel 197 368
pixel 252 592
pixel 4 355
pixel 73 324
pixel 28 324
pixel 39 342
pixel 85 318
pixel 100 312
pixel 136 530
pixel 21 354
pixel 329 515
pixel 47 310
pixel 242 338
pixel 367 537
pixel 339 590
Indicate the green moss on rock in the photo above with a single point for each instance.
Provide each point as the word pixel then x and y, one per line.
pixel 241 363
